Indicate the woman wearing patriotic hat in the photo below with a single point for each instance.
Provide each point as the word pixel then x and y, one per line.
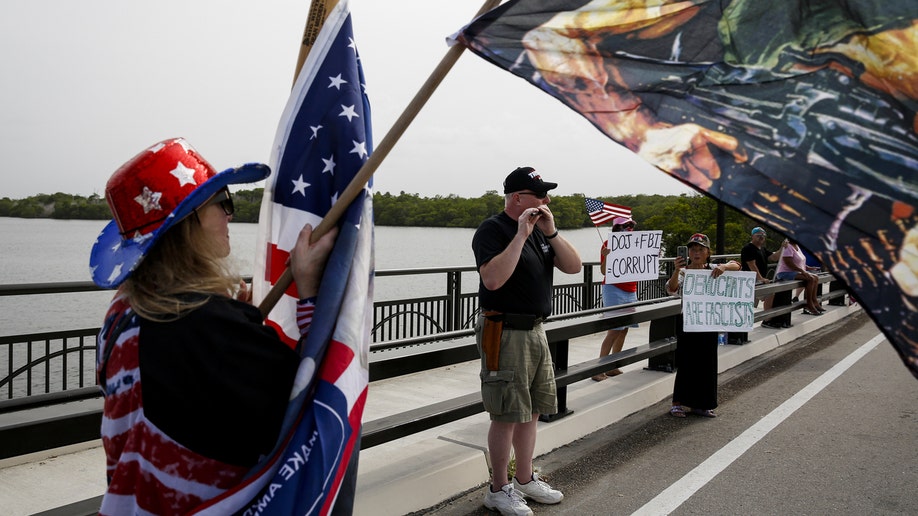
pixel 195 385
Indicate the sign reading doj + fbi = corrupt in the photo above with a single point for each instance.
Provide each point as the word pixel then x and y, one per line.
pixel 633 256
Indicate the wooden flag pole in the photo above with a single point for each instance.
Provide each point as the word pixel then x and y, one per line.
pixel 379 153
pixel 318 13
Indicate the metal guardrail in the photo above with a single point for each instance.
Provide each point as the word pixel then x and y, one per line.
pixel 48 362
pixel 47 431
pixel 41 433
pixel 42 363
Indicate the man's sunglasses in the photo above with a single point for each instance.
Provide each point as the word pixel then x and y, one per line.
pixel 225 201
pixel 618 227
pixel 537 195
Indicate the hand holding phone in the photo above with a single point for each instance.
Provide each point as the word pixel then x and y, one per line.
pixel 682 252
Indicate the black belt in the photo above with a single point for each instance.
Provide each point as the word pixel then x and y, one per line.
pixel 514 321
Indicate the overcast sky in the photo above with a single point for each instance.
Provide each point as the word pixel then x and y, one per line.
pixel 88 84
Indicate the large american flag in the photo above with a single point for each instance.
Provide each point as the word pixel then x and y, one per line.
pixel 323 139
pixel 601 212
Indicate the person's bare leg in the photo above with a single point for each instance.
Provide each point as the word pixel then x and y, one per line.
pixel 813 295
pixel 617 344
pixel 604 350
pixel 524 439
pixel 500 439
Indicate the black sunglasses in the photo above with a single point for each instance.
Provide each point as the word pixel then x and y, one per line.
pixel 225 201
pixel 537 195
pixel 618 227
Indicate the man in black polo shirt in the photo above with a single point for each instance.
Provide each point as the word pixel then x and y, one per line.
pixel 754 257
pixel 516 252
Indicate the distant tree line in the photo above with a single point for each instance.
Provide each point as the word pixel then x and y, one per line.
pixel 678 216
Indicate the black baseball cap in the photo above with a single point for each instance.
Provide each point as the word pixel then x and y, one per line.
pixel 526 178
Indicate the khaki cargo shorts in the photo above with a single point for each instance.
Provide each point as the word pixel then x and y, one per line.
pixel 525 382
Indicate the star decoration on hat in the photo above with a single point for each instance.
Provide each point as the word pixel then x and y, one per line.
pixel 184 174
pixel 149 200
pixel 116 271
pixel 184 143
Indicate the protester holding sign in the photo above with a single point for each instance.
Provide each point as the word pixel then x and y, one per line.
pixel 696 352
pixel 614 294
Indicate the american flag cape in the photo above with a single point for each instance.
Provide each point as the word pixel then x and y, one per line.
pixel 601 212
pixel 799 113
pixel 323 139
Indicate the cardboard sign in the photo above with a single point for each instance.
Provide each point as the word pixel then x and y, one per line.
pixel 633 256
pixel 725 303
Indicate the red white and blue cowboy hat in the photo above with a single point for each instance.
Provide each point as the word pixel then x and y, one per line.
pixel 148 195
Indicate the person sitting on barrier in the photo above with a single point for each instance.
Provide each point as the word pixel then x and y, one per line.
pixel 195 385
pixel 615 294
pixel 812 265
pixel 696 352
pixel 516 252
pixel 792 266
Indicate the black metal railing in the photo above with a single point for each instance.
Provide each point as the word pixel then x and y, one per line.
pixel 35 363
pixel 45 430
pixel 42 363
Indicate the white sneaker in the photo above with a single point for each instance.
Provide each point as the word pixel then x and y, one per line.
pixel 538 490
pixel 507 501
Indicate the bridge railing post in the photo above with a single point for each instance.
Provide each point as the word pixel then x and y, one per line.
pixel 663 328
pixel 560 357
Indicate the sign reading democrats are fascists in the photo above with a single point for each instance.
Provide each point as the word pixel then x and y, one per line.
pixel 633 256
pixel 724 303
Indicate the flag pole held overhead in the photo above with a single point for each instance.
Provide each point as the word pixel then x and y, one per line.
pixel 380 152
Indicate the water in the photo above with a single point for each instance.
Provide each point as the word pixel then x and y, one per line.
pixel 48 250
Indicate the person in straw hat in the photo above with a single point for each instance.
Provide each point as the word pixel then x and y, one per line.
pixel 195 385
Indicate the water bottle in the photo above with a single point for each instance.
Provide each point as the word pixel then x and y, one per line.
pixel 721 339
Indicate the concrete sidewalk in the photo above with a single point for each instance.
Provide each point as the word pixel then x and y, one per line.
pixel 421 470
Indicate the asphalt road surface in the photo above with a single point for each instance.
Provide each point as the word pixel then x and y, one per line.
pixel 825 425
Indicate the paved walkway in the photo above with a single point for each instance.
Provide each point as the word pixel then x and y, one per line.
pixel 826 425
pixel 422 470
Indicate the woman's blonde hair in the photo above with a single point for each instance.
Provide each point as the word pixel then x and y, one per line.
pixel 183 263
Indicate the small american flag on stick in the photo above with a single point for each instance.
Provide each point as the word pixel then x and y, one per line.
pixel 602 212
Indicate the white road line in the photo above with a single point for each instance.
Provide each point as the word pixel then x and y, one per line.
pixel 676 494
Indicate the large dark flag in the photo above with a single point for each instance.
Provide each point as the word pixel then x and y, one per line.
pixel 322 140
pixel 799 113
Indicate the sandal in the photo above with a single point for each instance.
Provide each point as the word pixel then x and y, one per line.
pixel 704 413
pixel 677 411
pixel 808 312
pixel 599 377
